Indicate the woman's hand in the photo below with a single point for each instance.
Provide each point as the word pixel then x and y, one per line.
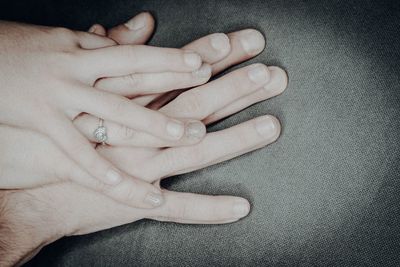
pixel 47 77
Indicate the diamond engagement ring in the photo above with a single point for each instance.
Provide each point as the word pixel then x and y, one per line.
pixel 101 132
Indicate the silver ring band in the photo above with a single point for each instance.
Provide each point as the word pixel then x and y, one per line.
pixel 100 134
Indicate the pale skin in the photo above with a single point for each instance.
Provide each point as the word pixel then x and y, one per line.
pixel 48 77
pixel 88 211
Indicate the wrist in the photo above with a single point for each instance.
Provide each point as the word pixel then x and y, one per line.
pixel 25 227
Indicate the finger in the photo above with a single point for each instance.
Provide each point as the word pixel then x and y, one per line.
pixel 278 83
pixel 126 59
pixel 78 148
pixel 144 100
pixel 120 34
pixel 199 209
pixel 146 83
pixel 245 44
pixel 130 191
pixel 93 41
pixel 98 29
pixel 103 176
pixel 215 147
pixel 204 100
pixel 121 110
pixel 161 100
pixel 211 48
pixel 119 135
pixel 137 30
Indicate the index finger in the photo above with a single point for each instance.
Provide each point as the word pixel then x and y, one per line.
pixel 126 59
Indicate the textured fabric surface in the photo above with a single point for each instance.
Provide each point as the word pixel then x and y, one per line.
pixel 328 192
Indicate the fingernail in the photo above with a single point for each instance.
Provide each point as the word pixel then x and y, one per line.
pixel 136 23
pixel 113 177
pixel 92 29
pixel 219 41
pixel 253 42
pixel 175 129
pixel 195 130
pixel 241 208
pixel 154 199
pixel 267 126
pixel 203 72
pixel 192 59
pixel 259 74
pixel 278 81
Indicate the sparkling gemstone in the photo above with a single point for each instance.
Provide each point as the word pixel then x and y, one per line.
pixel 100 134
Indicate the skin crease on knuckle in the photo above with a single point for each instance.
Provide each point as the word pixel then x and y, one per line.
pixel 125 133
pixel 132 80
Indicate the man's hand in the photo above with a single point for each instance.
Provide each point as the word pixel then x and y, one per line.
pixel 89 212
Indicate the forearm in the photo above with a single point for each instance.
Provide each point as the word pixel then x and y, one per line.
pixel 21 236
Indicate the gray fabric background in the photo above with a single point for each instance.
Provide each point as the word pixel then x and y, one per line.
pixel 328 192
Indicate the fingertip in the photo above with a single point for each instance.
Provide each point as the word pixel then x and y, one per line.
pixel 204 72
pixel 137 30
pixel 154 199
pixel 253 41
pixel 281 77
pixel 221 43
pixel 97 29
pixel 269 127
pixel 241 208
pixel 259 73
pixel 192 59
pixel 150 22
pixel 279 80
pixel 175 129
pixel 140 21
pixel 195 131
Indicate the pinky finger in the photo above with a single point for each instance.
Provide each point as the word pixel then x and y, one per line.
pixel 200 209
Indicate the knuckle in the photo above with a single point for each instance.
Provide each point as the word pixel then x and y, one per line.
pixel 125 133
pixel 101 187
pixel 178 211
pixel 130 51
pixel 190 102
pixel 130 194
pixel 239 84
pixel 61 61
pixel 188 158
pixel 132 80
pixel 89 159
